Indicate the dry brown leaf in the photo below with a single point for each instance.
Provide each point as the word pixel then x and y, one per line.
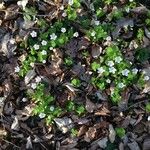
pixel 90 106
pixel 90 134
pixel 3 133
pixel 8 108
pixel 11 12
pixel 102 112
pixel 82 130
pixel 96 51
pixel 146 144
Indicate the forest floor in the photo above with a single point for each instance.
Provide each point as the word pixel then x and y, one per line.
pixel 74 75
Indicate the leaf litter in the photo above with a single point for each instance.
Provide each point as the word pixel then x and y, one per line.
pixel 97 126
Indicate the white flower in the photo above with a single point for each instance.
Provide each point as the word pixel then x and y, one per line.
pixel 53 36
pixel 32 64
pixel 100 70
pixel 42 115
pixel 12 41
pixel 44 61
pixel 64 14
pixel 108 81
pixel 51 48
pixel 121 85
pixel 130 0
pixel 33 34
pixel 38 79
pixel 44 42
pixel 134 71
pixel 118 59
pixel 110 63
pixel 76 34
pixel 62 7
pixel 96 22
pixel 144 72
pixel 52 108
pixel 93 33
pixel 146 78
pixel 112 70
pixel 63 30
pixel 148 119
pixel 70 2
pixel 24 99
pixel 17 69
pixel 127 9
pixel 125 72
pixel 108 38
pixel 44 52
pixel 36 46
pixel 22 3
pixel 33 85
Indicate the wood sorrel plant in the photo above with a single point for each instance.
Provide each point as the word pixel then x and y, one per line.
pixel 112 70
pixel 41 44
pixel 45 106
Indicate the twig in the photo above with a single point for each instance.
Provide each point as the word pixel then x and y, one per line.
pixel 18 12
pixel 11 143
pixel 137 103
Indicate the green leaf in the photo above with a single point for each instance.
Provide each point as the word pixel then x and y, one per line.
pixel 76 82
pixel 80 110
pixel 95 66
pixel 70 106
pixel 40 57
pixel 147 107
pixel 120 132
